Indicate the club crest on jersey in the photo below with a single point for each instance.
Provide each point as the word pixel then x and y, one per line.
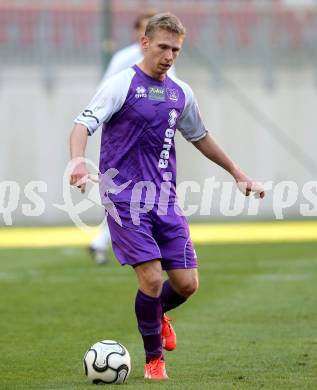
pixel 173 115
pixel 156 93
pixel 172 94
pixel 140 92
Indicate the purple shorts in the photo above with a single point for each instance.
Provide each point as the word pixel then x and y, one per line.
pixel 163 237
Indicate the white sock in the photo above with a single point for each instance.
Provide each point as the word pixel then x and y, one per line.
pixel 102 241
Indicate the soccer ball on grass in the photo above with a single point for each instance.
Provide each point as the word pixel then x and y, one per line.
pixel 107 362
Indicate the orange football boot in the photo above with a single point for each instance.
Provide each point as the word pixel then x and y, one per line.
pixel 168 334
pixel 155 370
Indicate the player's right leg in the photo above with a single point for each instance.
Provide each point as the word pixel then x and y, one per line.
pixel 148 311
pixel 137 247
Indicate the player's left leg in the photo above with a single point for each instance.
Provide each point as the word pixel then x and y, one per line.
pixel 180 285
pixel 179 259
pixel 183 282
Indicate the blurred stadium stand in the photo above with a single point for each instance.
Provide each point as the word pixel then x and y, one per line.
pixel 56 32
pixel 256 60
pixel 228 33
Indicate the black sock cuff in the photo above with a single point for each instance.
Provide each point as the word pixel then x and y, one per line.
pixel 148 297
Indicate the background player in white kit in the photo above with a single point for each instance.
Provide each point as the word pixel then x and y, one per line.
pixel 121 60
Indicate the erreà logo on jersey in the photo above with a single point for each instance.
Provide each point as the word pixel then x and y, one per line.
pixel 173 115
pixel 156 93
pixel 168 140
pixel 140 92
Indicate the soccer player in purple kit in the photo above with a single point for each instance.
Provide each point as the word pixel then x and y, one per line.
pixel 141 108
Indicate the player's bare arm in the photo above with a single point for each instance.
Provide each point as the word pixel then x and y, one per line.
pixel 78 142
pixel 209 148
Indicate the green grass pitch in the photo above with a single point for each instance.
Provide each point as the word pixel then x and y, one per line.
pixel 252 325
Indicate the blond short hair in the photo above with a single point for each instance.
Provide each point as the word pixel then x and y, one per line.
pixel 165 21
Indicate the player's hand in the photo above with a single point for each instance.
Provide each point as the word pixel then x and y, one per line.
pixel 79 176
pixel 247 185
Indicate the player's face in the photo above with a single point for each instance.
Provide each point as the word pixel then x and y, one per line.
pixel 161 50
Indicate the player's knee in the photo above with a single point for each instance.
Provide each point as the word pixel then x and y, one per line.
pixel 150 278
pixel 189 287
pixel 153 285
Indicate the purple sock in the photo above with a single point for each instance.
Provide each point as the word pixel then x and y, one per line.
pixel 169 297
pixel 148 312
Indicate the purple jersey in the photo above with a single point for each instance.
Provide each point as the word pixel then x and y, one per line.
pixel 140 116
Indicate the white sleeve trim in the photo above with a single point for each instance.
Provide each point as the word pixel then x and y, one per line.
pixel 200 137
pixel 108 100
